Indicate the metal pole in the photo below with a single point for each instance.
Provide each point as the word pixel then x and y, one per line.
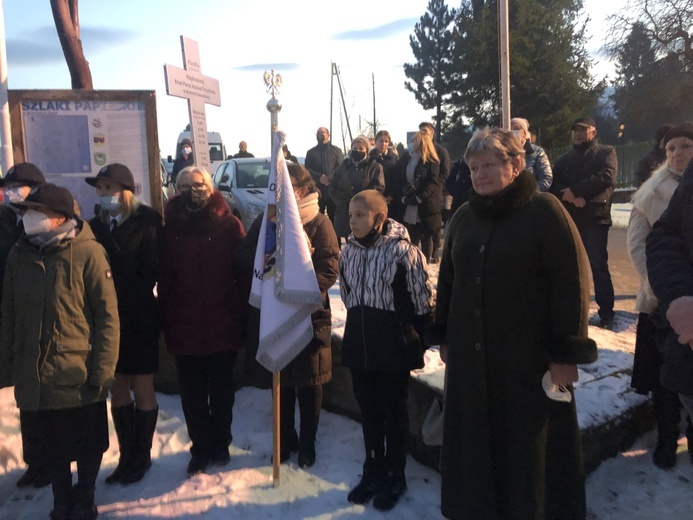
pixel 331 95
pixel 6 156
pixel 504 52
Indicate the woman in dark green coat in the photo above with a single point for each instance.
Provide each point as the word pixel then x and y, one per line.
pixel 513 298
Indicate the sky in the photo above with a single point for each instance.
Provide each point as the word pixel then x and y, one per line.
pixel 625 486
pixel 127 42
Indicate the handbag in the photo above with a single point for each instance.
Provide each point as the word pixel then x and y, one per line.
pixel 432 427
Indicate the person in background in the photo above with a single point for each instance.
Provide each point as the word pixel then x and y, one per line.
pixel 184 159
pixel 389 300
pixel 130 233
pixel 649 202
pixel 303 378
pixel 59 345
pixel 536 159
pixel 387 158
pixel 655 157
pixel 584 179
pixel 512 261
pixel 287 154
pixel 322 161
pixel 444 161
pixel 421 193
pixel 458 184
pixel 357 173
pixel 203 312
pixel 243 151
pixel 16 185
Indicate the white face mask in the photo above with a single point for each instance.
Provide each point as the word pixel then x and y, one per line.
pixel 187 150
pixel 13 196
pixel 35 222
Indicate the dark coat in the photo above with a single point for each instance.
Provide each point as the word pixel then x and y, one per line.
pixel 444 159
pixel 133 250
pixel 203 311
pixel 10 231
pixel 513 295
pixel 313 366
pixel 323 159
pixel 649 163
pixel 669 253
pixel 590 172
pixel 348 180
pixel 459 184
pixel 180 163
pixel 389 165
pixel 429 191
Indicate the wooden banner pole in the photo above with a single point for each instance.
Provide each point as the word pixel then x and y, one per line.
pixel 275 428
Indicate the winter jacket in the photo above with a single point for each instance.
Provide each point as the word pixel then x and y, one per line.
pixel 389 165
pixel 313 366
pixel 60 331
pixel 538 163
pixel 459 184
pixel 648 205
pixel 444 161
pixel 323 159
pixel 133 249
pixel 180 163
pixel 428 185
pixel 590 172
pixel 669 253
pixel 513 295
pixel 10 231
pixel 389 300
pixel 203 311
pixel 348 180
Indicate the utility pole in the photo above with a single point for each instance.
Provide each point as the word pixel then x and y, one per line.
pixel 335 72
pixel 375 121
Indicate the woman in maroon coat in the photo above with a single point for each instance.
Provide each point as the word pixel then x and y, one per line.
pixel 203 311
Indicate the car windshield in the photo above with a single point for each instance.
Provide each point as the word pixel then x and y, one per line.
pixel 253 175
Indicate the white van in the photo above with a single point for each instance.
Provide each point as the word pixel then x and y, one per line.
pixel 217 150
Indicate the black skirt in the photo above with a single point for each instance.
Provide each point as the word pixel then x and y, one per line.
pixel 139 353
pixel 58 436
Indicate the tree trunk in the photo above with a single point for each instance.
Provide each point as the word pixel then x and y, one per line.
pixel 66 16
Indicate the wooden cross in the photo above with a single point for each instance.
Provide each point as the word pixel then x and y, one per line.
pixel 189 83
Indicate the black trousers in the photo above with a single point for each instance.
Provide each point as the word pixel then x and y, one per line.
pixel 207 394
pixel 61 478
pixel 309 404
pixel 595 239
pixel 382 398
pixel 422 237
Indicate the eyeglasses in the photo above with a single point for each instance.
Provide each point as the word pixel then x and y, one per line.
pixel 197 186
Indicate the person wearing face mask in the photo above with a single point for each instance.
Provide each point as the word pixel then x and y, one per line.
pixel 356 173
pixel 303 378
pixel 184 159
pixel 129 231
pixel 389 300
pixel 536 159
pixel 59 345
pixel 203 311
pixel 421 193
pixel 16 185
pixel 649 202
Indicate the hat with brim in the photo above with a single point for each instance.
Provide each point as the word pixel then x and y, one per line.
pixel 49 196
pixel 24 173
pixel 584 122
pixel 115 172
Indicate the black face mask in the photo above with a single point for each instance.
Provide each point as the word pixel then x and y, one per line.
pixel 194 200
pixel 368 239
pixel 357 156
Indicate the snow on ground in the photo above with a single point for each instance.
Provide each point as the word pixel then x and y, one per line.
pixel 627 486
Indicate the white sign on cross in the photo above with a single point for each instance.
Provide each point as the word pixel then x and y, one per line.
pixel 189 83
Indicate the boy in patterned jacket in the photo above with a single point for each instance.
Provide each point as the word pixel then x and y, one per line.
pixel 389 299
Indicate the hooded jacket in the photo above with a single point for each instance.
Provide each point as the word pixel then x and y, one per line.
pixel 60 331
pixel 389 300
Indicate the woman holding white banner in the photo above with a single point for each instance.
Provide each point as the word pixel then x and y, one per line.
pixel 303 377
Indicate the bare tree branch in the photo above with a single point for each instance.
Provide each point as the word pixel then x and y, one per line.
pixel 66 17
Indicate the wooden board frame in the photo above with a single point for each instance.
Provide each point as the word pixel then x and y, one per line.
pixel 147 97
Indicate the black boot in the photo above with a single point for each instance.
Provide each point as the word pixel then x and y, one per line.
pixel 667 410
pixel 124 422
pixel 288 439
pixel 34 475
pixel 140 458
pixel 83 506
pixel 373 477
pixel 61 483
pixel 309 404
pixel 390 491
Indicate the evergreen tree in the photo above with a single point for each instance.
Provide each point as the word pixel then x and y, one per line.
pixel 550 75
pixel 429 79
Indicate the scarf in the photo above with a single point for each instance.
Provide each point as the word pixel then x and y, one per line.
pixel 308 207
pixel 53 238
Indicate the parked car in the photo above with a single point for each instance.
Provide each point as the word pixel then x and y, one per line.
pixel 243 183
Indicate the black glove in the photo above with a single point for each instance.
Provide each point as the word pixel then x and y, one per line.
pixel 411 200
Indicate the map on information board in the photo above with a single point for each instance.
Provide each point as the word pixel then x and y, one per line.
pixel 59 143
